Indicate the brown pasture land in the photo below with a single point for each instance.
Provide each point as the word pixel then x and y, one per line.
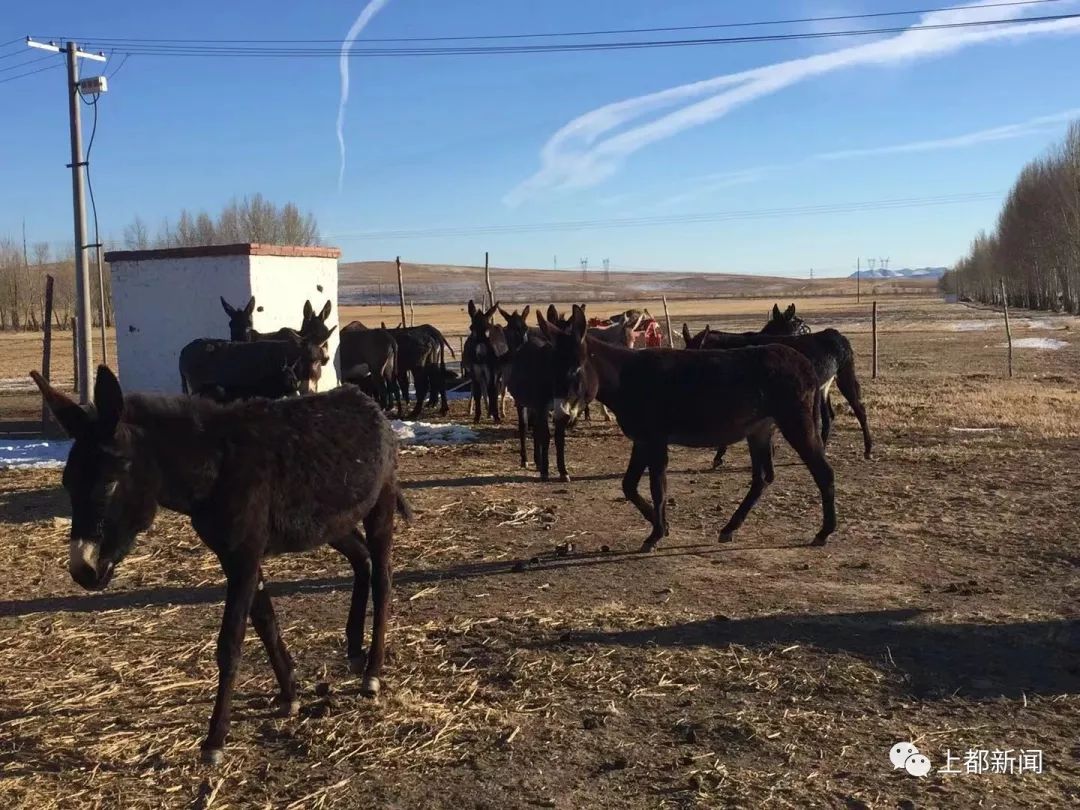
pixel 758 673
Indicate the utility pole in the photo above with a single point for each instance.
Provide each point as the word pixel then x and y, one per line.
pixel 554 262
pixel 858 280
pixel 78 166
pixel 607 271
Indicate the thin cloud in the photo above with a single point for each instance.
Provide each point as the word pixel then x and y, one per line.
pixel 1041 125
pixel 370 10
pixel 589 149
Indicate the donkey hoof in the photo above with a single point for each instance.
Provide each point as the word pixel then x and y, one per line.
pixel 287 708
pixel 357 664
pixel 564 478
pixel 819 540
pixel 648 546
pixel 212 756
pixel 726 536
pixel 371 686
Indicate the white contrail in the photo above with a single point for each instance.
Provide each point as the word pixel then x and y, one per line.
pixel 370 10
pixel 593 146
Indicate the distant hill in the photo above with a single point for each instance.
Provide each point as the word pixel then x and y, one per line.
pixel 376 282
pixel 906 272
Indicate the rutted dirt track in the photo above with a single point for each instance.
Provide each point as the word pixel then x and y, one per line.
pixel 756 673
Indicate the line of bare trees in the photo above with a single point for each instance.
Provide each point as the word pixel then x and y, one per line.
pixel 1035 247
pixel 23 266
pixel 251 219
pixel 23 269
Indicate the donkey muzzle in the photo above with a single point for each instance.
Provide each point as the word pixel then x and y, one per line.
pixel 85 566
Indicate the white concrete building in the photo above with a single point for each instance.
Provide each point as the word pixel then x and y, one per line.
pixel 163 299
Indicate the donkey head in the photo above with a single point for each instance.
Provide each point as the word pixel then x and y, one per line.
pixel 240 323
pixel 480 320
pixel 517 328
pixel 111 482
pixel 698 341
pixel 313 328
pixel 785 323
pixel 573 383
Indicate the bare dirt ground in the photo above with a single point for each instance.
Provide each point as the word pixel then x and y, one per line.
pixel 758 673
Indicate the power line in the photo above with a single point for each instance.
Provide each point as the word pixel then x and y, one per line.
pixel 28 62
pixel 491 50
pixel 683 219
pixel 31 73
pixel 601 32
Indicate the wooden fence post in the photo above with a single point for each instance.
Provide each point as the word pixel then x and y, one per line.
pixel 873 320
pixel 487 282
pixel 1008 329
pixel 401 292
pixel 75 349
pixel 667 319
pixel 46 350
pixel 412 315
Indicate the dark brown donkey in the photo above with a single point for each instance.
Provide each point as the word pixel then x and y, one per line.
pixel 828 351
pixel 704 399
pixel 257 478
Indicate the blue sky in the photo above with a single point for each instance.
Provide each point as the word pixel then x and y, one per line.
pixel 460 142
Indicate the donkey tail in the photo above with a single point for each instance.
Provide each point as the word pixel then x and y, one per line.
pixel 404 508
pixel 446 343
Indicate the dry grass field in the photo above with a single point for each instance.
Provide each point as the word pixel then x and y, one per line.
pixel 760 673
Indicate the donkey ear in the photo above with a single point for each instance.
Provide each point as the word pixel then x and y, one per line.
pixel 324 313
pixel 686 336
pixel 494 307
pixel 332 328
pixel 552 314
pixel 525 312
pixel 72 418
pixel 309 310
pixel 250 308
pixel 229 310
pixel 109 401
pixel 578 326
pixel 504 313
pixel 547 328
pixel 789 313
pixel 472 308
pixel 776 312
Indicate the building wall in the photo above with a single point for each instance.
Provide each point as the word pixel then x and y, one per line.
pixel 163 304
pixel 281 285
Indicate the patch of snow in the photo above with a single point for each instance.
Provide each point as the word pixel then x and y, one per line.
pixel 1036 343
pixel 974 326
pixel 1048 325
pixel 425 433
pixel 33 454
pixel 973 430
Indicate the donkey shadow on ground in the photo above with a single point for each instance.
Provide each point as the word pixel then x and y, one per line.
pixel 937 660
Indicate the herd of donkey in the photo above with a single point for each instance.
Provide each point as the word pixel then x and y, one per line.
pixel 264 466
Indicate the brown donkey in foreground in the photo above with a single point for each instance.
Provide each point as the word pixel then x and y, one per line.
pixel 257 478
pixel 704 399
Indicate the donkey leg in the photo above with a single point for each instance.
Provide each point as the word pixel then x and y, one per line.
pixel 848 384
pixel 243 580
pixel 265 623
pixel 493 402
pixel 760 445
pixel 826 419
pixel 560 450
pixel 476 401
pixel 639 460
pixel 718 459
pixel 522 431
pixel 379 526
pixel 803 436
pixel 356 552
pixel 422 383
pixel 541 442
pixel 658 461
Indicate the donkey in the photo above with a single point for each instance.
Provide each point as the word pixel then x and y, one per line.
pixel 785 323
pixel 481 360
pixel 257 479
pixel 537 392
pixel 369 360
pixel 702 399
pixel 828 351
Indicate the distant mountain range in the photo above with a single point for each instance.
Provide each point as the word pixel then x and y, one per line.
pixel 906 272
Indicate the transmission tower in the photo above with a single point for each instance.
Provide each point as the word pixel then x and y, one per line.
pixel 607 270
pixel 584 268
